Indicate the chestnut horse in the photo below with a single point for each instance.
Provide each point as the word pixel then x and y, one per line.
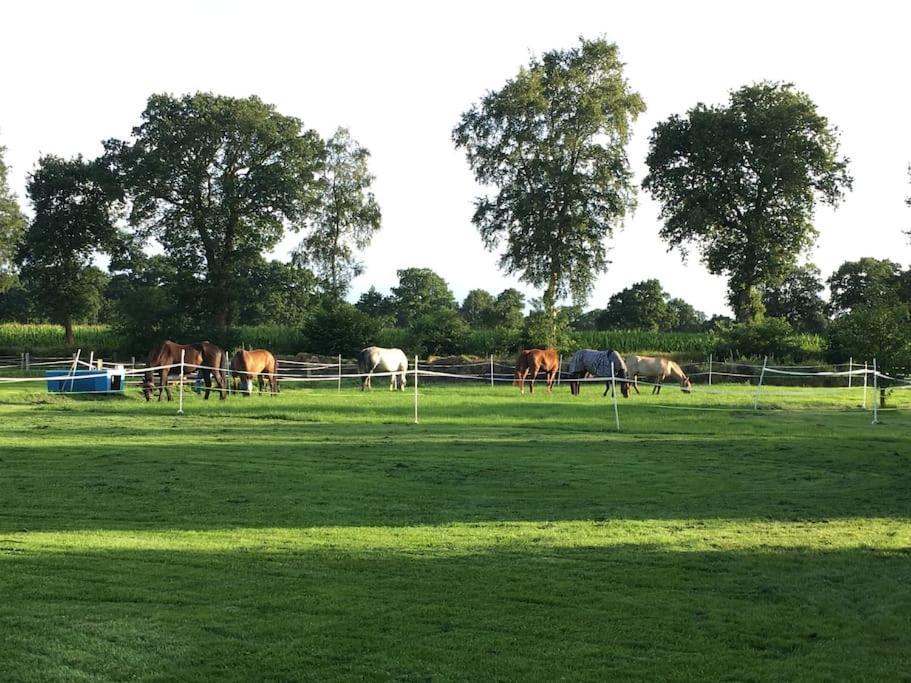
pixel 532 361
pixel 194 355
pixel 245 365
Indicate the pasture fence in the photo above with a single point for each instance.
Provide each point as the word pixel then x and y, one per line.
pixel 770 381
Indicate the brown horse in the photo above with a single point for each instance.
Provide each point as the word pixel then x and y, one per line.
pixel 532 361
pixel 194 355
pixel 245 365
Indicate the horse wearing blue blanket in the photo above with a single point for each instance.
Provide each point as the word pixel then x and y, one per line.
pixel 597 364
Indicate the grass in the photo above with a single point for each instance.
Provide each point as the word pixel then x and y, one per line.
pixel 321 535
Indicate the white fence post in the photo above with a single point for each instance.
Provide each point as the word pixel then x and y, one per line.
pixel 865 384
pixel 73 371
pixel 710 369
pixel 180 388
pixel 875 394
pixel 850 369
pixel 22 361
pixel 28 360
pixel 491 371
pixel 415 389
pixel 613 392
pixel 91 359
pixel 759 387
pixel 339 373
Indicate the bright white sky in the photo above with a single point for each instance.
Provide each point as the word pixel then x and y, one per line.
pixel 399 75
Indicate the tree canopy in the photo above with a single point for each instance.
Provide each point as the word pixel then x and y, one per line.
pixel 865 281
pixel 552 143
pixel 420 291
pixel 216 180
pixel 73 202
pixel 12 227
pixel 346 216
pixel 797 299
pixel 741 181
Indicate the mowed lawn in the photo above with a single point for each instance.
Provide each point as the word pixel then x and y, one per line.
pixel 321 535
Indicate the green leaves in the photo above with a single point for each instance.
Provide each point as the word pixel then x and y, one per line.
pixel 740 182
pixel 216 180
pixel 12 227
pixel 551 142
pixel 346 217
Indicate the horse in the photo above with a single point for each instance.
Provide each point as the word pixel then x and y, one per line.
pixel 597 364
pixel 532 361
pixel 377 359
pixel 168 353
pixel 245 365
pixel 660 369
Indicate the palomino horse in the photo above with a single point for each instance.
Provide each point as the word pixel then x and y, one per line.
pixel 532 361
pixel 598 364
pixel 247 365
pixel 203 355
pixel 660 369
pixel 377 359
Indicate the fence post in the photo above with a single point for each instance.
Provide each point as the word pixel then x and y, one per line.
pixel 865 384
pixel 613 393
pixel 73 371
pixel 559 368
pixel 91 359
pixel 759 387
pixel 132 362
pixel 28 360
pixel 180 388
pixel 21 360
pixel 415 389
pixel 875 394
pixel 710 369
pixel 491 371
pixel 340 373
pixel 850 369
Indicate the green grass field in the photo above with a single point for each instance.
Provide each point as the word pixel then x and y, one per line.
pixel 322 535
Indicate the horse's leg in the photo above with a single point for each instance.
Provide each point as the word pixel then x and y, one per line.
pixel 534 376
pixel 522 374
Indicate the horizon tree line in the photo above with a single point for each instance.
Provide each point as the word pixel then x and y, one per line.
pixel 217 181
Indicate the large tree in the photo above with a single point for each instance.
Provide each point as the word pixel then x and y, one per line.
pixel 741 182
pixel 73 202
pixel 346 217
pixel 552 143
pixel 12 227
pixel 216 180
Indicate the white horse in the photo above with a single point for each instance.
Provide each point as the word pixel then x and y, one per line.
pixel 660 369
pixel 377 359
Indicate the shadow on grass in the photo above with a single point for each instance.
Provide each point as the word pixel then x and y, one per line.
pixel 508 613
pixel 272 473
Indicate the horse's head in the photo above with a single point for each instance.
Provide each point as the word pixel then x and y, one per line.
pixel 685 385
pixel 624 385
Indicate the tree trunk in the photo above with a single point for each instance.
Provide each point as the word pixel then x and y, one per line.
pixel 68 336
pixel 747 308
pixel 550 308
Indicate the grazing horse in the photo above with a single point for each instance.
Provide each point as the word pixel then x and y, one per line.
pixel 245 365
pixel 199 354
pixel 660 369
pixel 532 361
pixel 377 359
pixel 597 364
